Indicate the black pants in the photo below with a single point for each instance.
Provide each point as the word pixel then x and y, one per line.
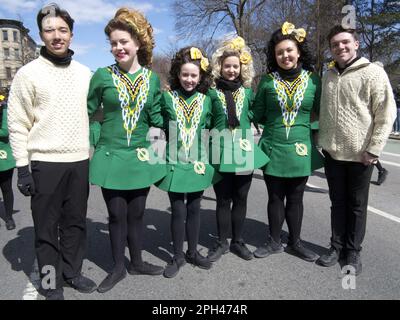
pixel 59 215
pixel 348 190
pixel 181 211
pixel 126 211
pixel 291 189
pixel 232 189
pixel 7 191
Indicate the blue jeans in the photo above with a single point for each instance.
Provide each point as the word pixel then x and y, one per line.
pixel 396 125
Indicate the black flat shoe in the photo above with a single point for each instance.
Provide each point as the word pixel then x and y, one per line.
pixel 145 268
pixel 110 281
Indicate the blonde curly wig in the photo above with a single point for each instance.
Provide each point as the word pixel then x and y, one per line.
pixel 136 24
pixel 230 48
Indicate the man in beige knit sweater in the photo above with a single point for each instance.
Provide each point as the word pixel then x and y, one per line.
pixel 48 125
pixel 356 116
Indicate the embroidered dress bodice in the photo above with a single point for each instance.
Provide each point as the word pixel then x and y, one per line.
pixel 290 96
pixel 188 116
pixel 238 95
pixel 132 95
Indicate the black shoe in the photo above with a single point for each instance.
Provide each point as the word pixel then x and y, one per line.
pixel 272 247
pixel 54 294
pixel 10 224
pixel 299 250
pixel 198 260
pixel 172 268
pixel 354 260
pixel 382 176
pixel 329 259
pixel 239 248
pixel 111 280
pixel 82 284
pixel 145 268
pixel 218 250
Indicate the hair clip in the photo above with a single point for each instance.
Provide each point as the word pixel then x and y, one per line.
pixel 289 28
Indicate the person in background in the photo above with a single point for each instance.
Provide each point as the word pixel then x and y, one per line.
pixel 7 165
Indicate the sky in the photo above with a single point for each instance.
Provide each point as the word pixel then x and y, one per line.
pixel 91 16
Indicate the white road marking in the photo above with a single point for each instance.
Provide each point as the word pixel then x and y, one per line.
pixel 391 154
pixel 390 163
pixel 371 209
pixel 384 214
pixel 30 292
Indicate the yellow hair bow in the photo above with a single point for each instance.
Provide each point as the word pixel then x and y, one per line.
pixel 2 97
pixel 245 57
pixel 331 65
pixel 236 44
pixel 196 54
pixel 289 28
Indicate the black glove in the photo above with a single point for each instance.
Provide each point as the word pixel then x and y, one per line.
pixel 25 181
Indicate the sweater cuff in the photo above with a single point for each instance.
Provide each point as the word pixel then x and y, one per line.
pixel 376 151
pixel 22 162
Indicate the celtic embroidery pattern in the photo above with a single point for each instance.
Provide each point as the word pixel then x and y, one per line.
pixel 295 92
pixel 132 96
pixel 188 117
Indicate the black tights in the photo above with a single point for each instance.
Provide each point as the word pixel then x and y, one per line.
pixel 293 190
pixel 180 211
pixel 232 189
pixel 125 210
pixel 6 189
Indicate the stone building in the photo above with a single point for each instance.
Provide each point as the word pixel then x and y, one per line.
pixel 17 48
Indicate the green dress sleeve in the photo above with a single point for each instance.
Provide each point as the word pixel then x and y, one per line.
pixel 3 128
pixel 316 104
pixel 258 106
pixel 218 115
pixel 94 100
pixel 155 118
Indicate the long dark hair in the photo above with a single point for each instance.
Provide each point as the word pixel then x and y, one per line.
pixel 306 58
pixel 182 57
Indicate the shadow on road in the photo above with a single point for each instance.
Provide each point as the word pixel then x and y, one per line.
pixel 20 252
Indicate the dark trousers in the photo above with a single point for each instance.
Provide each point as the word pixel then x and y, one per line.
pixel 181 211
pixel 232 190
pixel 59 215
pixel 6 189
pixel 291 189
pixel 126 210
pixel 348 190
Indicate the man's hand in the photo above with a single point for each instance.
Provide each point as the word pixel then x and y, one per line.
pixel 25 181
pixel 368 158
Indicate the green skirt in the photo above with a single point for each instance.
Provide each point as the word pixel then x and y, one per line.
pixel 232 158
pixel 7 160
pixel 182 178
pixel 122 169
pixel 287 161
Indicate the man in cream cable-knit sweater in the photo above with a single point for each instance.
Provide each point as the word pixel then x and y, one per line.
pixel 356 116
pixel 48 126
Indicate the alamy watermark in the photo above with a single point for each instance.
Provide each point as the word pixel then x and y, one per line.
pixel 349 21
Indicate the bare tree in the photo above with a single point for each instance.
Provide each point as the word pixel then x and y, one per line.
pixel 212 16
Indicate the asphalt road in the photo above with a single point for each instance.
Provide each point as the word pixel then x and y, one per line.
pixel 280 276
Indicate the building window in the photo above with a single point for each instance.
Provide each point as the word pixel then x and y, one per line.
pixel 5 35
pixel 8 72
pixel 6 53
pixel 15 36
pixel 16 53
